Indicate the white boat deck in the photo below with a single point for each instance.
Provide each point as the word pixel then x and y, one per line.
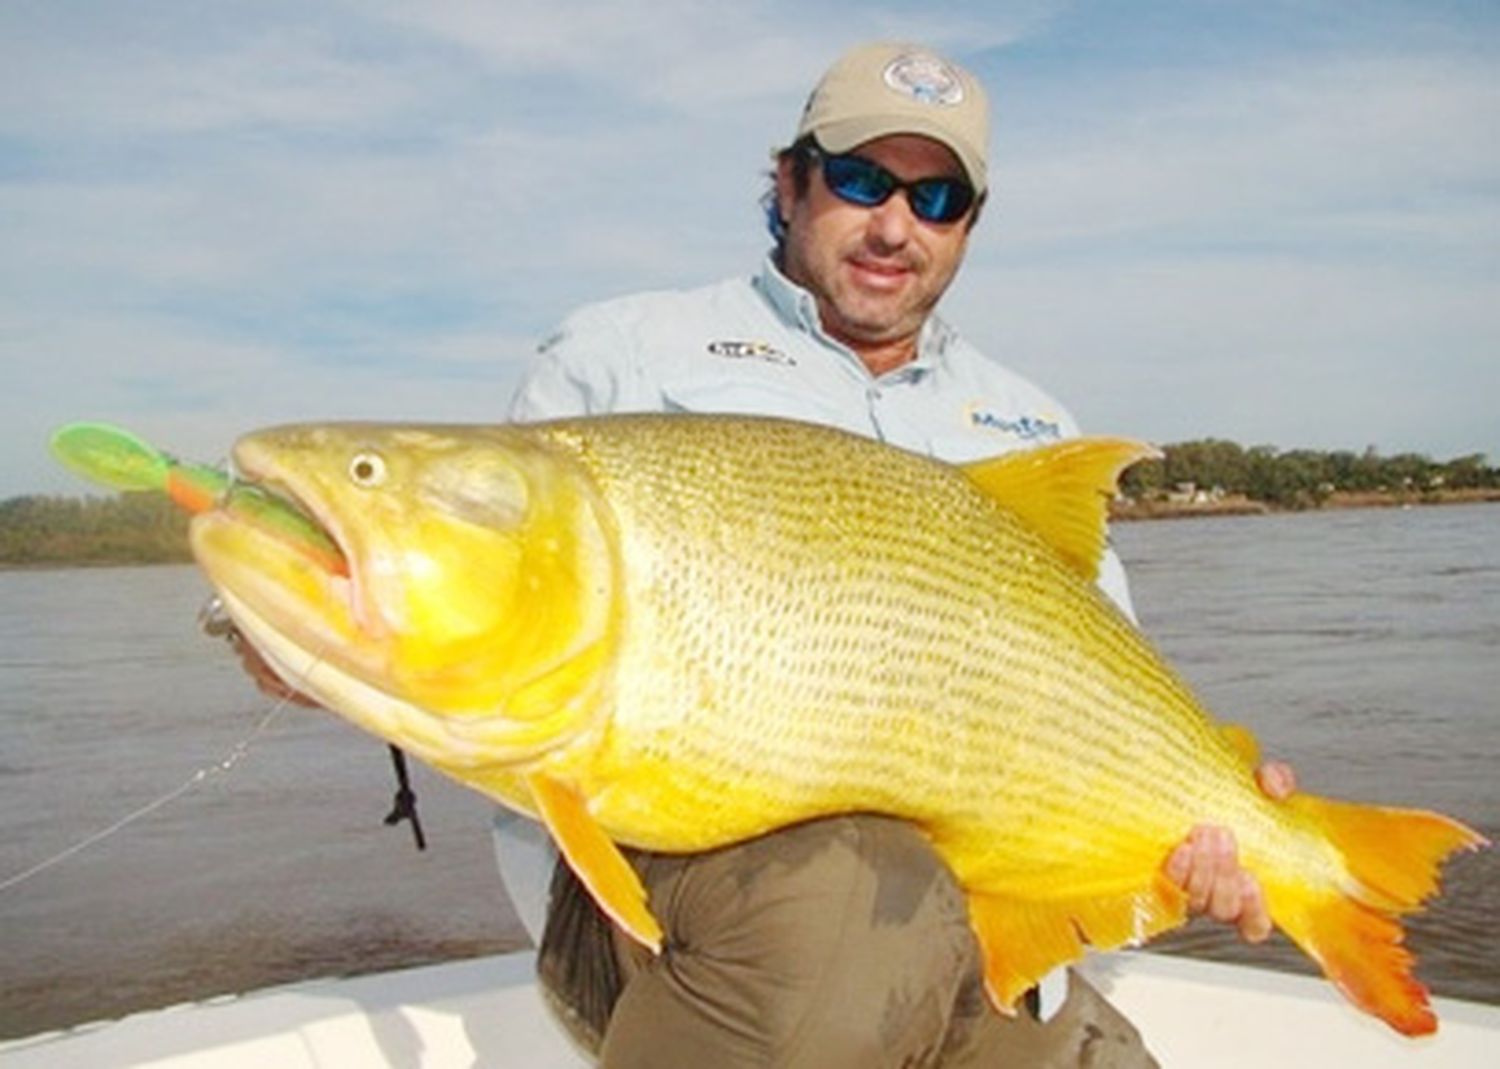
pixel 486 1012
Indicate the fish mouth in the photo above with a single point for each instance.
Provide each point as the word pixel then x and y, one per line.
pixel 322 537
pixel 301 518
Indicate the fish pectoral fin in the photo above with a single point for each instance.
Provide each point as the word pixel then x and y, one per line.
pixel 1023 940
pixel 1062 491
pixel 595 859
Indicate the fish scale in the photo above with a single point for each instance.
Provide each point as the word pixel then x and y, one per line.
pixel 896 519
pixel 682 631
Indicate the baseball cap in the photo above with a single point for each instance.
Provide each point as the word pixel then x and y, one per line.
pixel 875 90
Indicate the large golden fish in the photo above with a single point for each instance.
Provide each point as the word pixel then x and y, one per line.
pixel 677 632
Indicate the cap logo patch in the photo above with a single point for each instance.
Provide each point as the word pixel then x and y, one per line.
pixel 924 78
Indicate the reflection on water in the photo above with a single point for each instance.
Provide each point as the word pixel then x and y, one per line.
pixel 1364 646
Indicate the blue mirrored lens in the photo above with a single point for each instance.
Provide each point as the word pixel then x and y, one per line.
pixel 858 180
pixel 939 200
pixel 866 183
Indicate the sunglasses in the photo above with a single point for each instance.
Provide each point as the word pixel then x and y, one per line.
pixel 940 199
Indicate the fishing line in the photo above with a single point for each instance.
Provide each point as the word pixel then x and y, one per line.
pixel 235 755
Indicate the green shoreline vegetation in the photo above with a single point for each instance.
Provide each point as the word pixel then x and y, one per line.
pixel 1200 478
pixel 55 531
pixel 1214 477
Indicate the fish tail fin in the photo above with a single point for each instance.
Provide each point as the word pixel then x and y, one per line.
pixel 1392 857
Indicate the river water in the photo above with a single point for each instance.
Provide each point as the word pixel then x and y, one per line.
pixel 1363 646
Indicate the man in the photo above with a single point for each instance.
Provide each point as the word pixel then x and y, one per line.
pixel 841 942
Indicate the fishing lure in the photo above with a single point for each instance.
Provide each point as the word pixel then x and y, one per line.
pixel 113 457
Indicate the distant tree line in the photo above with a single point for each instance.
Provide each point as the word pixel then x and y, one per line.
pixel 146 528
pixel 1301 478
pixel 143 528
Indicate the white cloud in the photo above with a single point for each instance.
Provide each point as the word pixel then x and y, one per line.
pixel 217 216
pixel 1274 349
pixel 192 391
pixel 1286 146
pixel 691 56
pixel 153 69
pixel 1290 253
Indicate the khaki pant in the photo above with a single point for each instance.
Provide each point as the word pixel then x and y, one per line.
pixel 837 943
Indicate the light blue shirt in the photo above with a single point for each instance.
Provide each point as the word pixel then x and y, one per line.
pixel 755 345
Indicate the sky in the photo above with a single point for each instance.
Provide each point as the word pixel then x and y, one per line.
pixel 1272 221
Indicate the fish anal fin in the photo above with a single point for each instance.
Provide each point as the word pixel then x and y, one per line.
pixel 1023 940
pixel 1062 491
pixel 596 860
pixel 1020 943
pixel 1393 857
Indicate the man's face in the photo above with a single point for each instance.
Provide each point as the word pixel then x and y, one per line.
pixel 876 272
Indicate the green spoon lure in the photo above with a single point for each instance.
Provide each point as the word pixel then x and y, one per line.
pixel 115 458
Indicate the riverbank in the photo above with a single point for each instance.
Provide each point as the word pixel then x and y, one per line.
pixel 1239 505
pixel 117 549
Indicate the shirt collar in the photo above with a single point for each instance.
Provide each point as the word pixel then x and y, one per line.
pixel 799 309
pixel 793 304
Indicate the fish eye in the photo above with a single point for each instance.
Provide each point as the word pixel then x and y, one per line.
pixel 367 469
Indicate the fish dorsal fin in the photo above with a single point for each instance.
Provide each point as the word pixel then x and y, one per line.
pixel 1062 491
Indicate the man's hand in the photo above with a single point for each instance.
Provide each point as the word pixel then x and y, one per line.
pixel 1207 866
pixel 265 677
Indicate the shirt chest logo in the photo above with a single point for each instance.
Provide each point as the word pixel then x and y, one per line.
pixel 1025 426
pixel 751 350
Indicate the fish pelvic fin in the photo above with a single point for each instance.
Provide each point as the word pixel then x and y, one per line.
pixel 1393 857
pixel 597 861
pixel 1062 491
pixel 1021 941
